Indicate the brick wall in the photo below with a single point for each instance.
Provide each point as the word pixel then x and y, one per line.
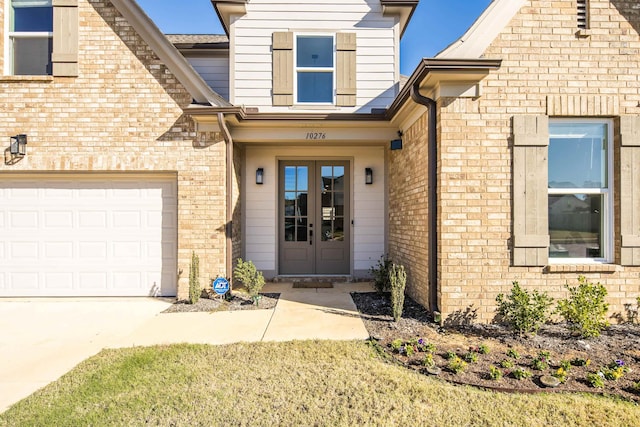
pixel 409 209
pixel 546 69
pixel 545 65
pixel 123 113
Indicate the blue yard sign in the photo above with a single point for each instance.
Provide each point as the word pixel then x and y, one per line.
pixel 220 286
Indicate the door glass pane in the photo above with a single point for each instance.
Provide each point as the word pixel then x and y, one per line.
pixel 575 225
pixel 327 230
pixel 289 229
pixel 290 178
pixel 338 204
pixel 303 178
pixel 296 183
pixel 338 173
pixel 302 205
pixel 301 230
pixel 338 230
pixel 578 155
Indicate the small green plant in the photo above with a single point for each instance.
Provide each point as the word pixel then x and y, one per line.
pixel 194 279
pixel 251 278
pixel 506 363
pixel 398 279
pixel 451 355
pixel 428 360
pixel 525 312
pixel 520 374
pixel 636 387
pixel 585 309
pixel 615 370
pixel 380 274
pixel 456 365
pixel 396 345
pixel 495 373
pixel 483 349
pixel 561 374
pixel 513 354
pixel 578 361
pixel 565 364
pixel 541 362
pixel 471 357
pixel 596 379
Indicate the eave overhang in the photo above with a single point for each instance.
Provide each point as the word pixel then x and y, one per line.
pixel 402 8
pixel 438 78
pixel 252 127
pixel 227 8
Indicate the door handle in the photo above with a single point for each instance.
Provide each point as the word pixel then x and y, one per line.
pixel 310 237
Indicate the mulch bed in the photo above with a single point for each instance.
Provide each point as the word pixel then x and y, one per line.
pixel 237 301
pixel 618 342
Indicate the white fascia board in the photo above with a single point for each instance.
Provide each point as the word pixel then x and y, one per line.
pixel 168 54
pixel 484 31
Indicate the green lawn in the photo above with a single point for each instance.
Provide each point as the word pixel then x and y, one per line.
pixel 297 383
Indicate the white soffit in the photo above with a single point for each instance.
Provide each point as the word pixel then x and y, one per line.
pixel 484 31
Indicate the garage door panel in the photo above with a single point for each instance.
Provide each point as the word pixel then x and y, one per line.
pixel 58 281
pixel 88 237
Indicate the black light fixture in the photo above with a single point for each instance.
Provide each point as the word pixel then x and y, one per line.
pixel 396 144
pixel 368 176
pixel 18 145
pixel 260 176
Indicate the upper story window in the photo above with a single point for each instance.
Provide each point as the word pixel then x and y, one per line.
pixel 30 37
pixel 580 190
pixel 315 69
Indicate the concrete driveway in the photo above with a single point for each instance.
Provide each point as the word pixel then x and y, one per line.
pixel 42 339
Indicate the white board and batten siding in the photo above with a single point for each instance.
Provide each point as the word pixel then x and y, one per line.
pixel 79 235
pixel 260 228
pixel 376 54
pixel 214 71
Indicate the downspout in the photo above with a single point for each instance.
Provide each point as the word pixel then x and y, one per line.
pixel 432 179
pixel 229 202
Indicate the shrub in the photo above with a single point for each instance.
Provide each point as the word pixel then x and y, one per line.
pixel 585 308
pixel 251 278
pixel 194 279
pixel 456 365
pixel 523 311
pixel 596 379
pixel 495 373
pixel 520 373
pixel 398 279
pixel 380 275
pixel 506 363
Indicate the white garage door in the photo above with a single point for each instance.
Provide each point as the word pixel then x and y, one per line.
pixel 79 236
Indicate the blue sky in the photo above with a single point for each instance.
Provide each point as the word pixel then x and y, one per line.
pixel 435 24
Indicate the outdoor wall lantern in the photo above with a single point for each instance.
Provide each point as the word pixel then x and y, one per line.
pixel 260 176
pixel 368 176
pixel 18 145
pixel 396 144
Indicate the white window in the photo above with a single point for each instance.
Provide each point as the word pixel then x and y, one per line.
pixel 580 191
pixel 315 69
pixel 30 37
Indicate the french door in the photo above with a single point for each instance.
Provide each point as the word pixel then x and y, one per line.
pixel 314 217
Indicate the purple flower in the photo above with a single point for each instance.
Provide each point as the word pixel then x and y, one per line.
pixel 620 363
pixel 421 341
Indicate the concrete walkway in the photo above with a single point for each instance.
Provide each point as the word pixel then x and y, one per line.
pixel 42 339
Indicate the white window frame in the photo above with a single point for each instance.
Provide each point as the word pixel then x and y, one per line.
pixel 297 69
pixel 11 35
pixel 607 193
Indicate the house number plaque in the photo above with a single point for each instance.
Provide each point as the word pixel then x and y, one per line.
pixel 316 135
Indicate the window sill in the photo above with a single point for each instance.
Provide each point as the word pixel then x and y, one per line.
pixel 21 79
pixel 582 268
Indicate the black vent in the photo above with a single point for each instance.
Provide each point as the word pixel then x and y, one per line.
pixel 583 14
